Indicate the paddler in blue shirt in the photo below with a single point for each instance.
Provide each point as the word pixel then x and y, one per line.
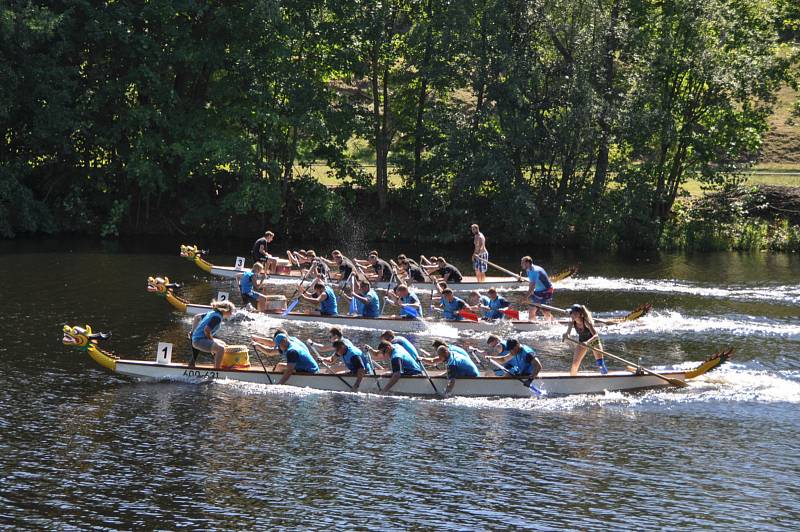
pixel 206 326
pixel 520 360
pixel 403 363
pixel 540 289
pixel 477 301
pixel 248 286
pixel 325 298
pixel 298 358
pixel 492 309
pixel 452 305
pixel 370 304
pixel 354 360
pixel 393 338
pixel 408 301
pixel 458 362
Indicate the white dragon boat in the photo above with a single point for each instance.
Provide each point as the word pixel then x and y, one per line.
pixel 161 286
pixel 486 385
pixel 285 273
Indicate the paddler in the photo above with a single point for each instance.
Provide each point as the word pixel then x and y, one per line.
pixel 393 338
pixel 324 297
pixel 249 284
pixel 402 362
pixel 478 301
pixel 205 327
pixel 298 357
pixel 458 363
pixel 581 320
pixel 493 309
pixel 519 359
pixel 540 289
pixel 354 360
pixel 480 255
pixel 452 305
pixel 260 253
pixel 412 271
pixel 447 271
pixel 407 300
pixel 346 266
pixel 370 304
pixel 381 270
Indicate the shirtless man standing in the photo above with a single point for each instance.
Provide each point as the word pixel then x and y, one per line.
pixel 480 256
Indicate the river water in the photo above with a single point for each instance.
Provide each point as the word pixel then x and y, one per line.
pixel 81 448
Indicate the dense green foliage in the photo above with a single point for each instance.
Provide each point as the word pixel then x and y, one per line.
pixel 563 121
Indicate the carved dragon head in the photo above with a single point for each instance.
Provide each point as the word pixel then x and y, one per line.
pixel 81 337
pixel 190 252
pixel 160 285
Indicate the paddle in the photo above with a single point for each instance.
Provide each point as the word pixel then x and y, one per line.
pixel 262 363
pixel 675 382
pixel 310 344
pixel 467 315
pixel 474 352
pixel 509 272
pixel 296 300
pixel 528 384
pixel 425 371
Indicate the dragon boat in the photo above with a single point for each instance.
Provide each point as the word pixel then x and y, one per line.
pixel 277 306
pixel 286 273
pixel 486 385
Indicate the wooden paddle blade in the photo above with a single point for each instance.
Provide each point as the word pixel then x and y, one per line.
pixel 678 383
pixel 563 274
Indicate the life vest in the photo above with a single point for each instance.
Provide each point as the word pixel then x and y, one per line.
pixel 199 332
pixel 329 307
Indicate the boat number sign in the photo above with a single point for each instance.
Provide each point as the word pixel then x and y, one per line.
pixel 164 353
pixel 239 265
pixel 222 296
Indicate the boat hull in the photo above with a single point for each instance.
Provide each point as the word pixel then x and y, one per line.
pixel 485 386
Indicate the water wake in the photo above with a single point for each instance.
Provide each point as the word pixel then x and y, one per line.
pixel 788 294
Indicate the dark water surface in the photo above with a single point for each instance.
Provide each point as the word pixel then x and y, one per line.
pixel 82 448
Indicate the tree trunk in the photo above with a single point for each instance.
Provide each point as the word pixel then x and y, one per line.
pixel 604 121
pixel 422 97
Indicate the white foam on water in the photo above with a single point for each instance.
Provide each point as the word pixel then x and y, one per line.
pixel 770 293
pixel 672 322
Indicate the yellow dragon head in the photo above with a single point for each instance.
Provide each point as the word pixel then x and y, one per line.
pixel 81 337
pixel 160 285
pixel 190 252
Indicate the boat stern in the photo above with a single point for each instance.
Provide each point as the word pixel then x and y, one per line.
pixel 711 363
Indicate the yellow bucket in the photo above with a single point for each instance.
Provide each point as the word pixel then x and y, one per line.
pixel 236 356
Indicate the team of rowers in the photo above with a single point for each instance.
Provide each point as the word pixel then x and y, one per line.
pixel 365 300
pixel 510 356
